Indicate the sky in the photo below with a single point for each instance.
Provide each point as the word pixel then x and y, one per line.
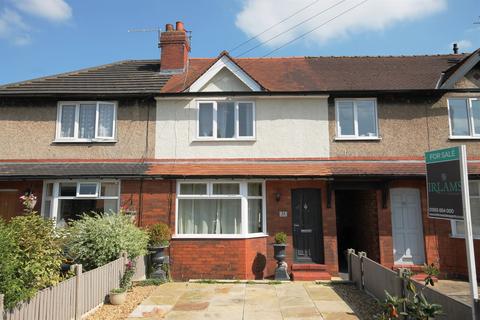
pixel 45 37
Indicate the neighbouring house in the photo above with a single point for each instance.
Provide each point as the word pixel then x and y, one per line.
pixel 228 151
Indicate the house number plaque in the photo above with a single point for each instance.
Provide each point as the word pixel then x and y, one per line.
pixel 283 213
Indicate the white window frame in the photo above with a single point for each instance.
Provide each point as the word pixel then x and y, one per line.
pixel 471 125
pixel 236 135
pixel 54 199
pixel 355 136
pixel 75 138
pixel 97 190
pixel 453 223
pixel 244 208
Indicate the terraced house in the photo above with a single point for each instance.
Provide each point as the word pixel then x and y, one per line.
pixel 230 151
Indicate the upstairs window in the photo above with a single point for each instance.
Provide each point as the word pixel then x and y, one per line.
pixel 226 120
pixel 356 118
pixel 464 117
pixel 86 121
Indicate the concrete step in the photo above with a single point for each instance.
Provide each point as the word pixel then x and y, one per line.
pixel 308 267
pixel 310 275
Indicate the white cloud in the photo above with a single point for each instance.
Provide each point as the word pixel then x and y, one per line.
pixel 373 15
pixel 462 44
pixel 13 28
pixel 54 10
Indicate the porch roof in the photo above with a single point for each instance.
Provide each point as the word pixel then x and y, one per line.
pixel 309 168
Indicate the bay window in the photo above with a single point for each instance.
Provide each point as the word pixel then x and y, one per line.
pixel 458 227
pixel 67 200
pixel 220 209
pixel 226 120
pixel 356 118
pixel 464 116
pixel 86 121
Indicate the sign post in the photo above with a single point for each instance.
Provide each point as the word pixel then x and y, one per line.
pixel 448 198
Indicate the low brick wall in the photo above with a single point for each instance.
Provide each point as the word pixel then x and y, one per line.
pixel 218 258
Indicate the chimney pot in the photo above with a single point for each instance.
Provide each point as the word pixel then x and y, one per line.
pixel 455 48
pixel 169 27
pixel 179 26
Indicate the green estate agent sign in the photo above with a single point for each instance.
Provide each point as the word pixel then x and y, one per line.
pixel 444 184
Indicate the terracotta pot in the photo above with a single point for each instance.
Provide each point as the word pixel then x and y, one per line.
pixel 117 298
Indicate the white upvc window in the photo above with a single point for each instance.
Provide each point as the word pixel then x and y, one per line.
pixel 356 118
pixel 86 121
pixel 225 120
pixel 67 200
pixel 464 118
pixel 458 227
pixel 220 209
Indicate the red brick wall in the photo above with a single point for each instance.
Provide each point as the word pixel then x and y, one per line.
pixel 36 187
pixel 275 223
pixel 217 258
pixel 154 200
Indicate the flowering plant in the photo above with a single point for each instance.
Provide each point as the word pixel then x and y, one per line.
pixel 29 200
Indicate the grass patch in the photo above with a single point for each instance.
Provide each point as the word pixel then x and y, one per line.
pixel 149 282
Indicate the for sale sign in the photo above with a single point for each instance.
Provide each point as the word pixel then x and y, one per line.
pixel 444 183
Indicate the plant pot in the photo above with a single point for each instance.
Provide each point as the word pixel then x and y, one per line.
pixel 157 259
pixel 117 298
pixel 279 251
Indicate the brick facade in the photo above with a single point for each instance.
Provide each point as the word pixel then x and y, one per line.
pixel 15 190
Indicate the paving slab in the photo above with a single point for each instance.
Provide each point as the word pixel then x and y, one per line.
pixel 244 301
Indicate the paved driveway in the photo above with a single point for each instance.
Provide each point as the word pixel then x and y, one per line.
pixel 236 301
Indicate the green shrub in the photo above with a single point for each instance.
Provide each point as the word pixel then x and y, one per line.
pixel 31 257
pixel 280 238
pixel 159 234
pixel 96 240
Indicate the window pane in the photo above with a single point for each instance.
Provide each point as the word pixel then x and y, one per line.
pixel 105 120
pixel 226 188
pixel 245 119
pixel 205 120
pixel 87 189
pixel 49 189
pixel 255 189
pixel 72 209
pixel 367 124
pixel 47 208
pixel 193 188
pixel 476 115
pixel 345 118
pixel 459 117
pixel 475 210
pixel 109 189
pixel 255 223
pixel 68 189
pixel 209 216
pixel 473 188
pixel 67 121
pixel 225 120
pixel 86 121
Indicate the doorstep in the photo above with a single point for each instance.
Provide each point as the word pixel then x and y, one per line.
pixel 310 272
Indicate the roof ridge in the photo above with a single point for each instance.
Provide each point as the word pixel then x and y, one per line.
pixel 94 68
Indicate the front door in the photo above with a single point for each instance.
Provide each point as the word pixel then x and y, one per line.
pixel 8 203
pixel 307 225
pixel 407 227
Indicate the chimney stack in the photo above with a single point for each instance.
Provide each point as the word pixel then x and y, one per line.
pixel 455 48
pixel 175 47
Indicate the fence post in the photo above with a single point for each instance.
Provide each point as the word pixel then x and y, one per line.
pixel 78 290
pixel 349 261
pixel 362 255
pixel 1 306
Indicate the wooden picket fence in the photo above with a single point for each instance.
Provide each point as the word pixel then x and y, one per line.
pixel 75 297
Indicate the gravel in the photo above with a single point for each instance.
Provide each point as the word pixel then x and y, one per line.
pixel 364 306
pixel 134 298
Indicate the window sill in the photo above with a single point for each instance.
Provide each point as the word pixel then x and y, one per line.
pixel 357 138
pixel 463 138
pixel 224 140
pixel 219 236
pixel 85 141
pixel 459 236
